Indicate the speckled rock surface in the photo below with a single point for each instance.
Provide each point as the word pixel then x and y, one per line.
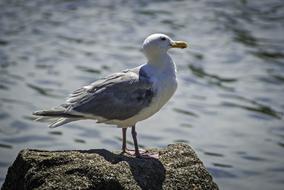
pixel 177 168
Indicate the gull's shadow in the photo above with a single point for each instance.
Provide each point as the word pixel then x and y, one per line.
pixel 149 173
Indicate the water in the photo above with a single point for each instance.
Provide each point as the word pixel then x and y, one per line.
pixel 229 105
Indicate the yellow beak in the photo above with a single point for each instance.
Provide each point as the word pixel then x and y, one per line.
pixel 179 44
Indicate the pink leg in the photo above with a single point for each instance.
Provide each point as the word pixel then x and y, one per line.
pixel 134 136
pixel 136 152
pixel 124 140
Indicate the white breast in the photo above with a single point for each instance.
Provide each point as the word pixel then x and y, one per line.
pixel 164 85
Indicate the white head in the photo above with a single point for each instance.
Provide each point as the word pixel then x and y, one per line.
pixel 156 45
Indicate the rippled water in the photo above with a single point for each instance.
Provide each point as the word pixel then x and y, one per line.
pixel 229 105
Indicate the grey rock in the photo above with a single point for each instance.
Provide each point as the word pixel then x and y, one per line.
pixel 177 168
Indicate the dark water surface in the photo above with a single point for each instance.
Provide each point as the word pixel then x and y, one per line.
pixel 230 101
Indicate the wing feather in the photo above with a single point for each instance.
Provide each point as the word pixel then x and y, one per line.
pixel 118 96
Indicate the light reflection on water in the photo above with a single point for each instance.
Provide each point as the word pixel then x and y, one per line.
pixel 229 104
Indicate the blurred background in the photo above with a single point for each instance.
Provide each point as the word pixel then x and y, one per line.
pixel 229 104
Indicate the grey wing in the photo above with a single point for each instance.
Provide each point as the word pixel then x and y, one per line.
pixel 119 96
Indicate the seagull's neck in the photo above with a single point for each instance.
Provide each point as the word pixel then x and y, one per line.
pixel 163 62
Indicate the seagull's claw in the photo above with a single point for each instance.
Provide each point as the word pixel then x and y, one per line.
pixel 142 153
pixel 149 155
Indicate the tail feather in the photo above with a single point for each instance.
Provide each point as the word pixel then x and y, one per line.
pixel 56 117
pixel 44 119
pixel 60 121
pixel 55 113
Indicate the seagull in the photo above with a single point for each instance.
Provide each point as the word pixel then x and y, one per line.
pixel 126 97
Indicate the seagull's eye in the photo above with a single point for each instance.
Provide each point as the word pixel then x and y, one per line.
pixel 163 38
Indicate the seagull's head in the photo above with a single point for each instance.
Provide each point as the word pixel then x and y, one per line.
pixel 158 44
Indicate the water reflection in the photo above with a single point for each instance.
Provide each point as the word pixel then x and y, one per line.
pixel 79 141
pixel 244 37
pixel 4 164
pixel 185 112
pixel 212 79
pixel 253 158
pixel 254 107
pixel 3 87
pixel 219 173
pixel 55 133
pixel 247 20
pixel 222 165
pixel 213 154
pixel 27 138
pixel 3 42
pixel 4 115
pixel 199 72
pixel 19 125
pixel 6 146
pixel 181 141
pixel 281 144
pixel 186 125
pixel 88 69
pixel 43 91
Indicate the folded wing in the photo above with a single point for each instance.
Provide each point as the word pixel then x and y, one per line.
pixel 118 96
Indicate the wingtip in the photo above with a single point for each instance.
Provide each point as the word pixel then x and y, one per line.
pixel 36 113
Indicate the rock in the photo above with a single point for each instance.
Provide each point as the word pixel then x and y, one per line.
pixel 177 168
